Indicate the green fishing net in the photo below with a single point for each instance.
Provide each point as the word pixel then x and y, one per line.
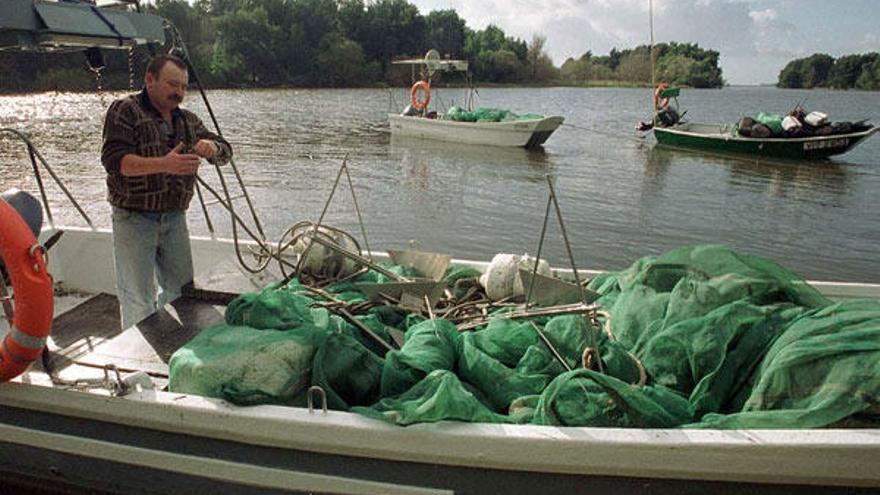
pixel 771 120
pixel 699 337
pixel 245 365
pixel 483 114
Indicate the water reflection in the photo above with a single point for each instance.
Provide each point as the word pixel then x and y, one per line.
pixel 776 177
pixel 526 164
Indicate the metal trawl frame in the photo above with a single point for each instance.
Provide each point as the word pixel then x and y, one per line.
pixel 590 316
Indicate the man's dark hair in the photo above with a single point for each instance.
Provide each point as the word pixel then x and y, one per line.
pixel 156 63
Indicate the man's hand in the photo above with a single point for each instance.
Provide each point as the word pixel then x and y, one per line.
pixel 206 148
pixel 177 163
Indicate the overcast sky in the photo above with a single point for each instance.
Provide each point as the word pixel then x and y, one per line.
pixel 755 38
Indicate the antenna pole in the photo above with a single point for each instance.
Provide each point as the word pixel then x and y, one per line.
pixel 653 80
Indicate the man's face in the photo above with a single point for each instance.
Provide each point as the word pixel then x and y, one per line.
pixel 167 91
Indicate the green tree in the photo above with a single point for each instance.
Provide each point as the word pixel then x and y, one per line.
pixel 675 69
pixel 316 18
pixel 487 40
pixel 818 68
pixel 352 16
pixel 845 72
pixel 491 50
pixel 445 32
pixel 539 65
pixel 341 62
pixel 612 60
pixel 704 74
pixel 869 78
pixel 791 76
pixel 244 48
pixel 848 70
pixel 498 66
pixel 810 72
pixel 195 25
pixel 392 28
pixel 635 65
pixel 687 64
pixel 572 70
pixel 677 63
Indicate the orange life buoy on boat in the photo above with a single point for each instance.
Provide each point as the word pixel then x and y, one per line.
pixel 414 95
pixel 660 103
pixel 32 288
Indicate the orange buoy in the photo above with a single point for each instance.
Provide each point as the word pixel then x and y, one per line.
pixel 32 287
pixel 414 95
pixel 660 103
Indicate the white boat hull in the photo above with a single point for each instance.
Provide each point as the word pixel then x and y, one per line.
pixel 154 441
pixel 196 440
pixel 522 133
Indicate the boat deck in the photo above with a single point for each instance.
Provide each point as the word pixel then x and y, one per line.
pixel 89 336
pixel 86 338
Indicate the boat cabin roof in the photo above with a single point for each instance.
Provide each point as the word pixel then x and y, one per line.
pixel 48 25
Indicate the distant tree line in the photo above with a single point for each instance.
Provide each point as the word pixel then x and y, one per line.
pixel 682 64
pixel 824 71
pixel 340 42
pixel 327 43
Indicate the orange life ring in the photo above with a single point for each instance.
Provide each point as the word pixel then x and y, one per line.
pixel 32 287
pixel 414 95
pixel 660 103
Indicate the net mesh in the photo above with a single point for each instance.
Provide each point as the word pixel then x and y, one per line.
pixel 699 337
pixel 484 114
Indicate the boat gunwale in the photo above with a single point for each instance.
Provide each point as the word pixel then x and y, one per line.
pixel 838 457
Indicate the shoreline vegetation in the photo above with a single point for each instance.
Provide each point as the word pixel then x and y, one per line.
pixel 238 44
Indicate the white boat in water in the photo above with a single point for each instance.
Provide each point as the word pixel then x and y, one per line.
pixel 88 432
pixel 504 129
pixel 522 133
pixel 95 414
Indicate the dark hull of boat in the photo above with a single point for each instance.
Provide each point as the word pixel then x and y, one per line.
pixel 44 465
pixel 794 148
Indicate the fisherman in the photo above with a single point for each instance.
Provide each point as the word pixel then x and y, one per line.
pixel 152 150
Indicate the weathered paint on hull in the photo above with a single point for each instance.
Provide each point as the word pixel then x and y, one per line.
pixel 778 148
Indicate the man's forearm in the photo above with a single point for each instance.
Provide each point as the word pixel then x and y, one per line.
pixel 223 153
pixel 135 165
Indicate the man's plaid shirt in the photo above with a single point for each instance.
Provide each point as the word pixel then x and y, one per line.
pixel 134 126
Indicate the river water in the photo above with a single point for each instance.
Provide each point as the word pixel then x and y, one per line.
pixel 621 197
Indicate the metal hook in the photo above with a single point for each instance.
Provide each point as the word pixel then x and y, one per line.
pixel 117 387
pixel 321 394
pixel 32 252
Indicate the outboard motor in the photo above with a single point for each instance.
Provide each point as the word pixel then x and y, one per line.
pixel 668 116
pixel 30 210
pixel 410 111
pixel 27 206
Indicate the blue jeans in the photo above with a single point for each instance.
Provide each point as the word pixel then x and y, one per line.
pixel 149 247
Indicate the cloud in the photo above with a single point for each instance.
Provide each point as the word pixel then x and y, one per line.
pixel 775 37
pixel 758 34
pixel 763 17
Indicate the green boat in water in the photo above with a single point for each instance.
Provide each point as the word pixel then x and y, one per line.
pixel 797 135
pixel 724 138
